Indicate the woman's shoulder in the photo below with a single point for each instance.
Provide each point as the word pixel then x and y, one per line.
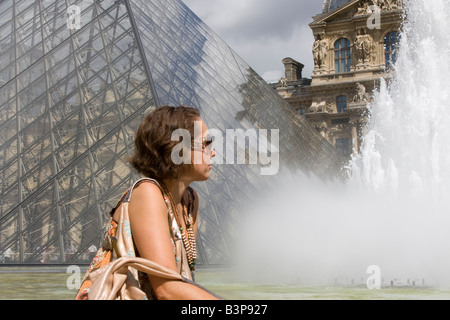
pixel 147 189
pixel 143 194
pixel 147 195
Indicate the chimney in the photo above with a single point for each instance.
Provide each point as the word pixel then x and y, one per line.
pixel 293 69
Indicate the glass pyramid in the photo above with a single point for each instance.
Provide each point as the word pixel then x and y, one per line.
pixel 76 80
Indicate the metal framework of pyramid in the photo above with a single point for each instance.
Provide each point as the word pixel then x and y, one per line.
pixel 71 99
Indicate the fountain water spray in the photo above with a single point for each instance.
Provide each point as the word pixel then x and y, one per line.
pixel 394 210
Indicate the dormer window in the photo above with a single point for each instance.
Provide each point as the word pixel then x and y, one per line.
pixel 342 55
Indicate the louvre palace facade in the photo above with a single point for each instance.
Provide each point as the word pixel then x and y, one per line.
pixel 77 78
pixel 355 45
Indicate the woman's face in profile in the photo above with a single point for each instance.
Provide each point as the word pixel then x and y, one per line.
pixel 202 154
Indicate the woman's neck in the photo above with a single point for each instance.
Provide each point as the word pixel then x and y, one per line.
pixel 176 187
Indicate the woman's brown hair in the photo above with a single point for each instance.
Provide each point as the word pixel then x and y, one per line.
pixel 153 141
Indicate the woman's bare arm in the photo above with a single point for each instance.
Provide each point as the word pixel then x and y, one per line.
pixel 151 233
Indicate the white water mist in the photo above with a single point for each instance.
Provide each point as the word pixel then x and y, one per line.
pixel 394 212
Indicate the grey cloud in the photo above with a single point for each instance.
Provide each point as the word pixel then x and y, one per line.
pixel 256 19
pixel 274 28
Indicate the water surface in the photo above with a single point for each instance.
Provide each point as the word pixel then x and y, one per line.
pixel 50 284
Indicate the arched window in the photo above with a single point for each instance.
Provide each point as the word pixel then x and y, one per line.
pixel 341 103
pixel 342 56
pixel 390 48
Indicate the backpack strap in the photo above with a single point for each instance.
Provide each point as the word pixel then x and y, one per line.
pixel 170 212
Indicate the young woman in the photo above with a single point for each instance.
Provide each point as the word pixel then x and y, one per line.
pixel 157 237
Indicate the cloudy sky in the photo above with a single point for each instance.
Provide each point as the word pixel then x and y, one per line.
pixel 263 32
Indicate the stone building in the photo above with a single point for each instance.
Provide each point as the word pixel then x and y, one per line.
pixel 355 42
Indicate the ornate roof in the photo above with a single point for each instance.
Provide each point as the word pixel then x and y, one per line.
pixel 331 5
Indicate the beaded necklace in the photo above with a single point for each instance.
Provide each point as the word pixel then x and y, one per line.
pixel 188 236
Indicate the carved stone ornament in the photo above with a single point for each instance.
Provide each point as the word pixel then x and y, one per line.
pixel 371 6
pixel 361 95
pixel 364 47
pixel 364 7
pixel 313 108
pixel 283 83
pixel 322 127
pixel 388 5
pixel 320 51
pixel 331 105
